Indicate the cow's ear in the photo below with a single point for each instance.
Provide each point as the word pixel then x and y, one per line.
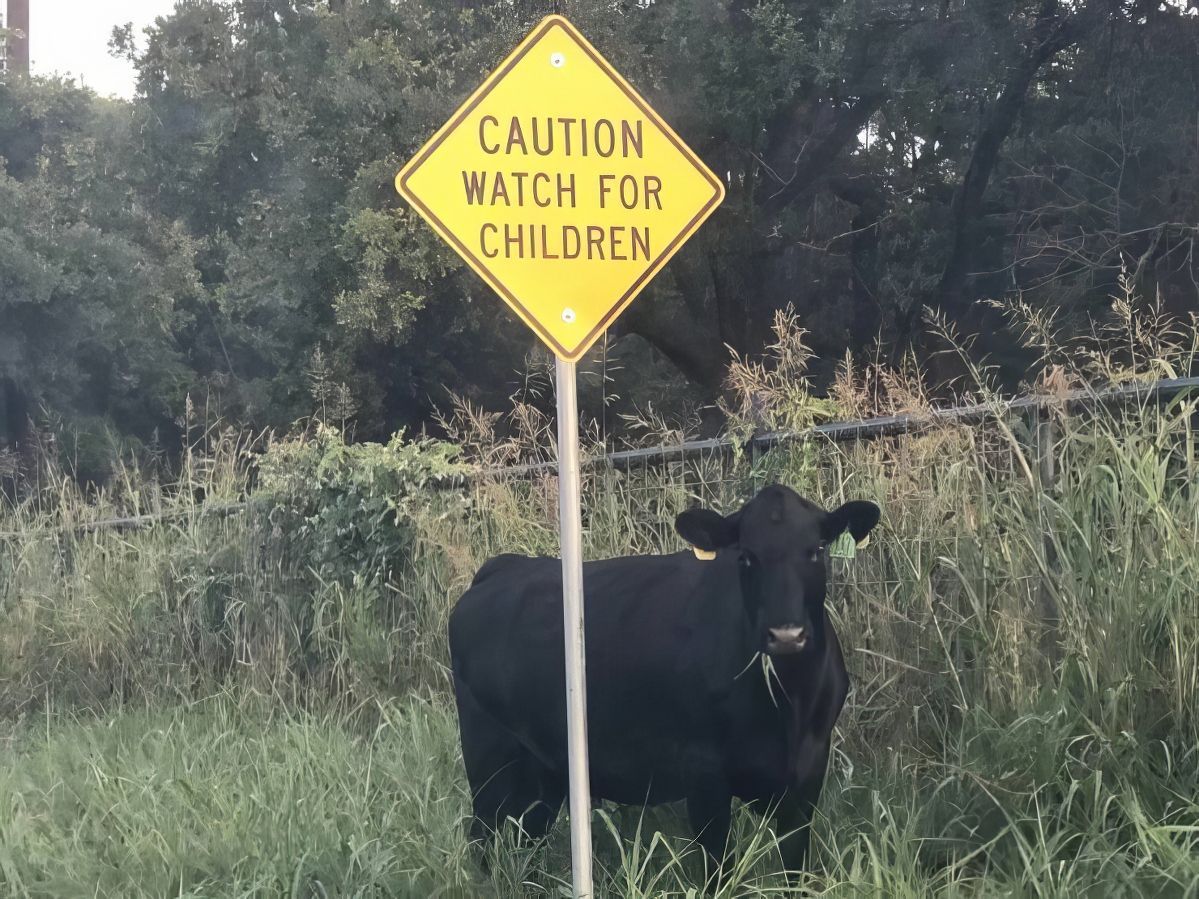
pixel 859 517
pixel 706 530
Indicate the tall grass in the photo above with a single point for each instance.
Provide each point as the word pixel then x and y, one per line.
pixel 216 706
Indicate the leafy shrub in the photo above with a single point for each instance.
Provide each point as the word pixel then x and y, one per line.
pixel 349 511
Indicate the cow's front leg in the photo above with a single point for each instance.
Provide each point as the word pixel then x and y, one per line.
pixel 793 817
pixel 709 811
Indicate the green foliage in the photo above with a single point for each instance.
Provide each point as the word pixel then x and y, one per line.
pixel 1023 648
pixel 94 287
pixel 775 395
pixel 208 237
pixel 327 576
pixel 353 510
pixel 177 803
pixel 1023 653
pixel 381 244
pixel 275 130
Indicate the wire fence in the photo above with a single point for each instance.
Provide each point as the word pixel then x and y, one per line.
pixel 702 468
pixel 962 573
pixel 890 425
pixel 1006 439
pixel 925 469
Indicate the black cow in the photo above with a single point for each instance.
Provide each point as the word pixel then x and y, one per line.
pixel 680 705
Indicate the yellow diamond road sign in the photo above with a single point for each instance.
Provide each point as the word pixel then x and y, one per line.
pixel 561 187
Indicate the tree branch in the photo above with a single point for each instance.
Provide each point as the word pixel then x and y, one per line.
pixel 1051 34
pixel 814 159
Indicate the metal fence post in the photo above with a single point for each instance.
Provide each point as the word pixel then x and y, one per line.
pixel 1046 437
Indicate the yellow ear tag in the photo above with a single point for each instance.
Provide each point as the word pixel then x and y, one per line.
pixel 864 542
pixel 702 554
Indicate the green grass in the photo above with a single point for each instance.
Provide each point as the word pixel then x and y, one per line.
pixel 257 704
pixel 237 797
pixel 222 798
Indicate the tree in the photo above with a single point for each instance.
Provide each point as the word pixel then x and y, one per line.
pixel 882 156
pixel 93 286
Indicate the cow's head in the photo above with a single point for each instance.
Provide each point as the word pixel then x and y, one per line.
pixel 780 538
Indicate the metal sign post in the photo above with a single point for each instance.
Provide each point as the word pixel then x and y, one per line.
pixel 570 522
pixel 556 171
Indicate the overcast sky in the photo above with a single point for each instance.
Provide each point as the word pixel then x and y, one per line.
pixel 71 37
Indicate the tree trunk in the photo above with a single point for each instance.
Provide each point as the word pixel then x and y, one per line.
pixel 700 360
pixel 1052 33
pixel 815 160
pixel 14 414
pixel 867 196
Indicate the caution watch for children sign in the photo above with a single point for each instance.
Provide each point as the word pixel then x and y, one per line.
pixel 561 187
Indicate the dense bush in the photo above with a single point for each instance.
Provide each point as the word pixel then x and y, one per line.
pixel 351 511
pixel 303 584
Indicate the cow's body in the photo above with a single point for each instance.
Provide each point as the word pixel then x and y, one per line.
pixel 679 703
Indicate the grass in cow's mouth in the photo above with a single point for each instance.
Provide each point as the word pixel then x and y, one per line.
pixel 256 704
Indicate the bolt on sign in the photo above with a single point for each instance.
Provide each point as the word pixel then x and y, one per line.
pixel 561 187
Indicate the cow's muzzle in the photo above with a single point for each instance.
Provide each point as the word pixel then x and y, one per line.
pixel 786 640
